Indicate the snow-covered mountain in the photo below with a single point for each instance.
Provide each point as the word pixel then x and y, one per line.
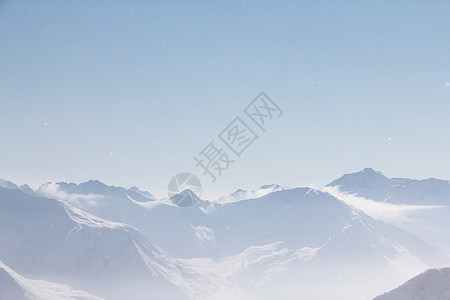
pixel 214 229
pixel 147 195
pixel 300 237
pixel 284 242
pixel 241 194
pixel 50 240
pixel 95 194
pixel 13 286
pixel 374 185
pixel 161 220
pixel 8 184
pixel 423 205
pixel 431 285
pixel 285 234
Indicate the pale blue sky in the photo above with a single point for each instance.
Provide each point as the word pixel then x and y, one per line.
pixel 128 92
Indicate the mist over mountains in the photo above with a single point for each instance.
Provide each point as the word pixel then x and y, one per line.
pixel 337 242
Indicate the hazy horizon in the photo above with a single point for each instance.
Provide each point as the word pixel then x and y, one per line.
pixel 129 92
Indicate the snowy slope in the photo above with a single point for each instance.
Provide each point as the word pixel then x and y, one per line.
pixel 374 185
pixel 299 217
pixel 309 235
pixel 7 184
pixel 266 244
pixel 269 243
pixel 430 285
pixel 15 287
pixel 423 206
pixel 161 219
pixel 50 240
pixel 146 194
pixel 95 195
pixel 367 183
pixel 240 194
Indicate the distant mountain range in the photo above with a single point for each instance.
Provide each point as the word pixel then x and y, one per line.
pixel 274 242
pixel 374 185
pixel 426 203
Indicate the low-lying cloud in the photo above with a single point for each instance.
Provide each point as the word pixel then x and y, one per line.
pixel 387 212
pixel 53 190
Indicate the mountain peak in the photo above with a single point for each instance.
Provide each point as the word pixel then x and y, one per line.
pixel 270 186
pixel 367 178
pixel 94 182
pixel 369 170
pixel 142 193
pixel 95 186
pixel 185 198
pixel 241 194
pixel 8 184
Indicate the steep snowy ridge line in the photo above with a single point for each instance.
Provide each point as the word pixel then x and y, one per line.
pixel 15 286
pixel 433 284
